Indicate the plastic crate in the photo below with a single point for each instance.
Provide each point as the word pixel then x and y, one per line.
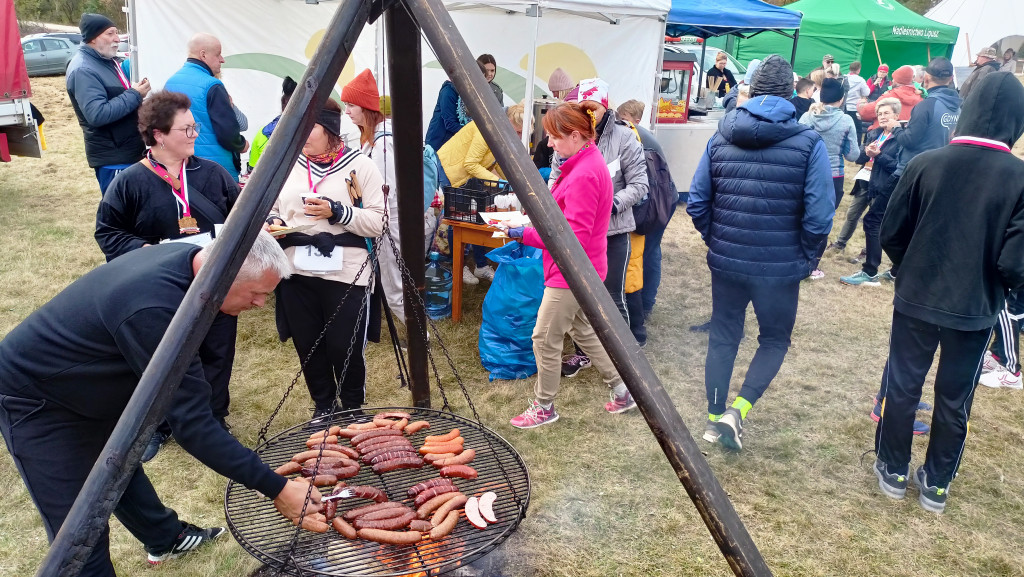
pixel 467 201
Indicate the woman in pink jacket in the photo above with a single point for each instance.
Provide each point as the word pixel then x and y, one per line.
pixel 584 193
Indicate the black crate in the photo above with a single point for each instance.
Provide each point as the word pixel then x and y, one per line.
pixel 467 201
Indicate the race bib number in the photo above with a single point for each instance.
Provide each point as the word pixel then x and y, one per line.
pixel 310 259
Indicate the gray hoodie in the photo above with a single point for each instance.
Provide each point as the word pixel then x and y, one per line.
pixel 840 135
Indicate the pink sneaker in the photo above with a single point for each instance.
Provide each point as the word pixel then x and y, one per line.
pixel 620 404
pixel 816 274
pixel 535 416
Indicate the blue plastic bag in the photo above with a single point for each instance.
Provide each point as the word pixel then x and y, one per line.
pixel 510 312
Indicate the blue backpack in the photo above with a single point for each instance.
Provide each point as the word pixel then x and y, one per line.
pixel 430 178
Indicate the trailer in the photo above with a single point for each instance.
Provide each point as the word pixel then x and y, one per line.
pixel 19 134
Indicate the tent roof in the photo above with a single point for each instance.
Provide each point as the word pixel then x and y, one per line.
pixel 705 18
pixel 983 22
pixel 888 19
pixel 623 7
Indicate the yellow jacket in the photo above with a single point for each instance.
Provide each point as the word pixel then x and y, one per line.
pixel 466 155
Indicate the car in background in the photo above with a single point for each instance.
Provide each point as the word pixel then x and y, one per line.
pixel 73 37
pixel 47 55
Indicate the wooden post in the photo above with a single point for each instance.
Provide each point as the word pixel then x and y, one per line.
pixel 877 51
pixel 656 406
pixel 405 80
pixel 120 457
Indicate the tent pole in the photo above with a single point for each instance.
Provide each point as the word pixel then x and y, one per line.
pixel 405 79
pixel 146 408
pixel 533 10
pixel 796 38
pixel 133 41
pixel 656 406
pixel 700 74
pixel 657 80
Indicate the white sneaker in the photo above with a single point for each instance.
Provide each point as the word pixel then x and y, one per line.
pixel 484 273
pixel 1002 378
pixel 816 274
pixel 990 363
pixel 468 277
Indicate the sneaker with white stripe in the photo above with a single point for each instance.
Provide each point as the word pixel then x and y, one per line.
pixel 1002 378
pixel 989 363
pixel 189 538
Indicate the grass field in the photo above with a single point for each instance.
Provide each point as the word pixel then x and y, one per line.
pixel 605 500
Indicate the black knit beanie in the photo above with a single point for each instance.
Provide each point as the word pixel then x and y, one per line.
pixel 330 120
pixel 831 91
pixel 92 25
pixel 774 77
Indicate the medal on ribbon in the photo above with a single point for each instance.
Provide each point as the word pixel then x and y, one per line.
pixel 179 188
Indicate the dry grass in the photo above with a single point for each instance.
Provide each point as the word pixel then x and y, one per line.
pixel 605 500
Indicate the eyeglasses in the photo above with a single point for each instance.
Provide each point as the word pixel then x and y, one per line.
pixel 191 131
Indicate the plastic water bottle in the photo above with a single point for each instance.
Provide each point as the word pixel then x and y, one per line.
pixel 439 289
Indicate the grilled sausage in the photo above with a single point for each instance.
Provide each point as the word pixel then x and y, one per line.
pixel 386 524
pixel 348 433
pixel 306 455
pixel 420 525
pixel 400 425
pixel 400 463
pixel 433 492
pixel 369 492
pixel 330 509
pixel 362 426
pixel 420 487
pixel 315 525
pixel 442 448
pixel 461 459
pixel 463 471
pixel 371 444
pixel 383 423
pixel 441 514
pixel 391 537
pixel 358 511
pixel 393 415
pixel 388 455
pixel 385 514
pixel 366 436
pixel 390 444
pixel 347 451
pixel 415 427
pixel 324 480
pixel 345 472
pixel 443 438
pixel 342 526
pixel 289 468
pixel 321 440
pixel 430 506
pixel 487 506
pixel 445 527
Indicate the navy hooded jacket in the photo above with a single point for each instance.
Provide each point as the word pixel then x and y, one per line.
pixel 931 124
pixel 762 197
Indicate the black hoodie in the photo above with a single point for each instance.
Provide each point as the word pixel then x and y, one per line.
pixel 955 223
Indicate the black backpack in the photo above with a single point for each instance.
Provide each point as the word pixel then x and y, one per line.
pixel 656 209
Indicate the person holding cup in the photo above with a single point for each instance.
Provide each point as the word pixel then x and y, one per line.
pixel 338 191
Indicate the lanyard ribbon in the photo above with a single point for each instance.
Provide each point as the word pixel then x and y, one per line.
pixel 180 193
pixel 120 75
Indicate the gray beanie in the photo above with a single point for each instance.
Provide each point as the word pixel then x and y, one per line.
pixel 774 77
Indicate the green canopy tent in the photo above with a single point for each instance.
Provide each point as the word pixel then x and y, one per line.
pixel 844 30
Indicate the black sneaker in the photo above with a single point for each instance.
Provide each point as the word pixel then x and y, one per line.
pixel 931 498
pixel 321 415
pixel 155 442
pixel 574 363
pixel 730 429
pixel 893 485
pixel 189 538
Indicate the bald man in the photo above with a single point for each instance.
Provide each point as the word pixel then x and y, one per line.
pixel 220 138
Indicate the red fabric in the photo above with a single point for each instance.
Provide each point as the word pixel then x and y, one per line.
pixel 584 192
pixel 362 92
pixel 13 74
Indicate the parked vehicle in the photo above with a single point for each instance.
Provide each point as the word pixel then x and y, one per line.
pixel 72 37
pixel 47 55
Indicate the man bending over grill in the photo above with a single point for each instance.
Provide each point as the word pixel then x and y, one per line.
pixel 69 369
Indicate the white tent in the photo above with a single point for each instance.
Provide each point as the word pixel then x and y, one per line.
pixel 263 40
pixel 982 23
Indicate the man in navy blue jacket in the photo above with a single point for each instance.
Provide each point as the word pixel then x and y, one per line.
pixel 762 199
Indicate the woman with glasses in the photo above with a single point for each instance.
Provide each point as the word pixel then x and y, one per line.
pixel 172 195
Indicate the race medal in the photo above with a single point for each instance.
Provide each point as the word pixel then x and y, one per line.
pixel 188 225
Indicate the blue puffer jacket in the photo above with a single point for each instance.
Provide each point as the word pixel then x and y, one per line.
pixel 762 197
pixel 195 82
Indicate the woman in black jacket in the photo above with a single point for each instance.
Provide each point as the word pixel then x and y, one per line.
pixel 884 153
pixel 172 195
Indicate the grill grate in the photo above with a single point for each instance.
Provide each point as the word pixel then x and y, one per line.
pixel 267 536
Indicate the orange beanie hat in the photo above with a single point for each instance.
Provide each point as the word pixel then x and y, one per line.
pixel 362 92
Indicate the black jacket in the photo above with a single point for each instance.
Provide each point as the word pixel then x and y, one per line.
pixel 883 178
pixel 931 124
pixel 955 223
pixel 801 104
pixel 727 79
pixel 106 111
pixel 138 207
pixel 85 351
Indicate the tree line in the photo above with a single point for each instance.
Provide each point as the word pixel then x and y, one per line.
pixel 68 11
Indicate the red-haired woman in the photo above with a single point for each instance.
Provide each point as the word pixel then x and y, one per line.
pixel 584 192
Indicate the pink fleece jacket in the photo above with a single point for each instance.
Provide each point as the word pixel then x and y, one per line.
pixel 584 192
